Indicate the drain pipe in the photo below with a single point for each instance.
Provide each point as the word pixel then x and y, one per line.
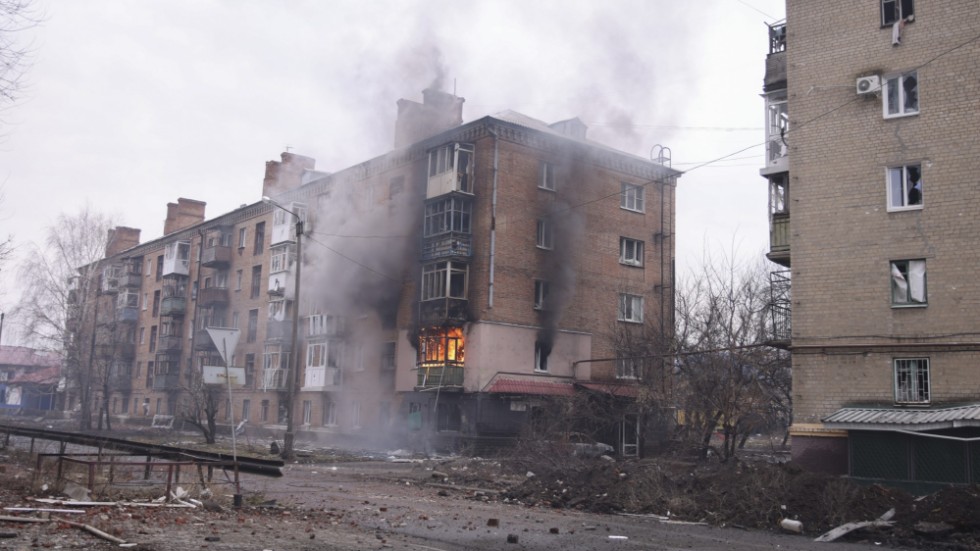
pixel 493 214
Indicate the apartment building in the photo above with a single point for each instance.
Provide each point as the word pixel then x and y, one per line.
pixel 872 163
pixel 448 289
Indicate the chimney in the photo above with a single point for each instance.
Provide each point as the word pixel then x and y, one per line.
pixel 439 111
pixel 183 214
pixel 287 174
pixel 573 128
pixel 121 238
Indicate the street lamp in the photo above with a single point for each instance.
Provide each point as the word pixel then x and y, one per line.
pixel 292 377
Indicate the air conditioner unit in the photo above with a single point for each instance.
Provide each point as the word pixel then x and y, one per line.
pixel 869 84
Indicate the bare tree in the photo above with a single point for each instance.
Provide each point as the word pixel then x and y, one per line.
pixel 200 406
pixel 62 300
pixel 731 380
pixel 15 17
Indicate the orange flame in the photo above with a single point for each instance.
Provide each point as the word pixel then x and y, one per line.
pixel 441 346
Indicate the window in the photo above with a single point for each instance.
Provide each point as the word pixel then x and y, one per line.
pixel 451 214
pixel 631 197
pixel 239 276
pixel 145 300
pixel 159 272
pixel 893 11
pixel 242 236
pixel 388 356
pixel 627 368
pixel 540 294
pixel 256 281
pixel 253 325
pixel 316 355
pixel 355 412
pixel 259 238
pixel 329 413
pixel 547 180
pixel 912 380
pixel 904 187
pixel 541 353
pixel 545 238
pixel 449 157
pixel 153 338
pixel 142 333
pixel 630 308
pixel 246 409
pixel 156 303
pixel 307 411
pixel 777 126
pixel 630 251
pixel 901 95
pixel 444 279
pixel 234 320
pixel 264 411
pixel 908 282
pixel 778 194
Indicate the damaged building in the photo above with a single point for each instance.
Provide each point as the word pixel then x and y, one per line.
pixel 451 290
pixel 872 163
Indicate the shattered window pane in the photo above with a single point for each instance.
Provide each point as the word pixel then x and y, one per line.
pixel 908 282
pixel 904 187
pixel 901 95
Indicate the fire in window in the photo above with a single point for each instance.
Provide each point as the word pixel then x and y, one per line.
pixel 441 346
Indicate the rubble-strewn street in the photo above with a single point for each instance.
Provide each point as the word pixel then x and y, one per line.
pixel 334 501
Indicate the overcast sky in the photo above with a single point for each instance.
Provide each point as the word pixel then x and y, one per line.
pixel 131 104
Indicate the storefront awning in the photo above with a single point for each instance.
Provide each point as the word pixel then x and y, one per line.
pixel 854 418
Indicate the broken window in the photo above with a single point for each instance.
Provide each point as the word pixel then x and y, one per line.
pixel 631 197
pixel 541 353
pixel 455 160
pixel 904 187
pixel 444 280
pixel 441 346
pixel 893 11
pixel 630 251
pixel 540 294
pixel 912 380
pixel 451 214
pixel 901 95
pixel 547 179
pixel 777 115
pixel 630 308
pixel 545 237
pixel 908 282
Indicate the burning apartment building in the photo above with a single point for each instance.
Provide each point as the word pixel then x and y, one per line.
pixel 450 289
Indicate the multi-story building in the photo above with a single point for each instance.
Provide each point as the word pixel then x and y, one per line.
pixel 872 165
pixel 448 288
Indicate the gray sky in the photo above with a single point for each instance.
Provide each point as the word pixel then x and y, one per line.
pixel 132 104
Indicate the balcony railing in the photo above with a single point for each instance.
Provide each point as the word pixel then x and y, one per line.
pixel 131 280
pixel 216 256
pixel 440 376
pixel 438 311
pixel 209 296
pixel 128 314
pixel 166 381
pixel 780 308
pixel 448 245
pixel 779 239
pixel 322 378
pixel 173 306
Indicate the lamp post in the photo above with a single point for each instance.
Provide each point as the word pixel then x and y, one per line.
pixel 292 376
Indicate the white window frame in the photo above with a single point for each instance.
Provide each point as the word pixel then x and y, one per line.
pixel 912 380
pixel 540 359
pixel 900 183
pixel 242 237
pixel 627 368
pixel 631 251
pixel 548 178
pixel 908 283
pixel 631 197
pixel 329 413
pixel 307 412
pixel 541 290
pixel 438 278
pixel 545 237
pixel 630 308
pixel 893 98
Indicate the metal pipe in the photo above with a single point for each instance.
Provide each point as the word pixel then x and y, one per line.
pixel 493 214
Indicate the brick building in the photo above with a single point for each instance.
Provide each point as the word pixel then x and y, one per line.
pixel 448 287
pixel 873 164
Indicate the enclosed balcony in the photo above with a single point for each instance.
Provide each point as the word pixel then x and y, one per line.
pixel 441 355
pixel 173 306
pixel 110 278
pixel 779 221
pixel 325 326
pixel 131 280
pixel 216 256
pixel 284 223
pixel 169 343
pixel 166 381
pixel 444 376
pixel 210 296
pixel 438 311
pixel 275 379
pixel 450 245
pixel 322 379
pixel 450 169
pixel 177 259
pixel 279 330
pixel 202 341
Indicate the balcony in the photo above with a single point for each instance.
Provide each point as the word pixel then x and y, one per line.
pixel 779 331
pixel 169 343
pixel 176 259
pixel 439 311
pixel 173 306
pixel 450 245
pixel 779 239
pixel 440 376
pixel 131 281
pixel 278 330
pixel 166 381
pixel 210 296
pixel 321 378
pixel 218 256
pixel 275 379
pixel 326 326
pixel 202 340
pixel 128 314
